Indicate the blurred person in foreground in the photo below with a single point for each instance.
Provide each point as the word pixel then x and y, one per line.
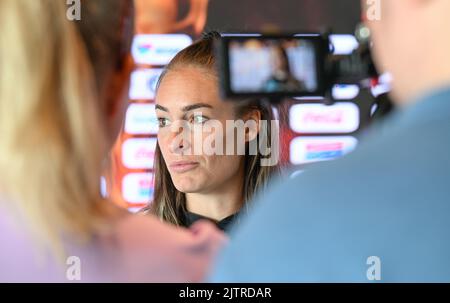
pixel 63 88
pixel 383 212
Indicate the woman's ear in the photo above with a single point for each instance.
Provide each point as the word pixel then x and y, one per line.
pixel 252 121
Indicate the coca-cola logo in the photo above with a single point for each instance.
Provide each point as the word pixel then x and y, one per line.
pixel 330 117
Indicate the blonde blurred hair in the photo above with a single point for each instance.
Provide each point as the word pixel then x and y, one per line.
pixel 52 121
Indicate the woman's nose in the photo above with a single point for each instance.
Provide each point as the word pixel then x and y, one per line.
pixel 180 140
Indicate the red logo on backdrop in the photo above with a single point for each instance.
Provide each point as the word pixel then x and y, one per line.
pixel 332 117
pixel 145 183
pixel 145 48
pixel 144 153
pixel 324 147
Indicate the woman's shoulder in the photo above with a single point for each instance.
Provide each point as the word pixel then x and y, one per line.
pixel 21 259
pixel 135 248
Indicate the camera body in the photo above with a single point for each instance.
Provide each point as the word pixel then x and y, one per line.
pixel 275 67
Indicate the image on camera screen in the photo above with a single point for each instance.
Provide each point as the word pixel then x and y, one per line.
pixel 273 66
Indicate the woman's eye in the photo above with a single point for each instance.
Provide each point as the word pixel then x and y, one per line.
pixel 198 119
pixel 163 122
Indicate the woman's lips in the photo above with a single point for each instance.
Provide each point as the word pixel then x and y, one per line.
pixel 183 166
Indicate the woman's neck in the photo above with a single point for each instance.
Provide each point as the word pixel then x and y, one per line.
pixel 220 203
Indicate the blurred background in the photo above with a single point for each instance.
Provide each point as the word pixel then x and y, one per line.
pixel 310 132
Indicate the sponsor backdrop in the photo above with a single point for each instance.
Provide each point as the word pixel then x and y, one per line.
pixel 310 132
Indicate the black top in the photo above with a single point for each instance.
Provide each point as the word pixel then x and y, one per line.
pixel 224 225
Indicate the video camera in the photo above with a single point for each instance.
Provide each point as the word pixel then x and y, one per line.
pixel 274 67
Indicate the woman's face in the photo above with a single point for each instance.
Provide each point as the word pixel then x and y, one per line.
pixel 187 104
pixel 279 63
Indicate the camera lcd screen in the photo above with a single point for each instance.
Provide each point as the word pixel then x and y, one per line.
pixel 263 66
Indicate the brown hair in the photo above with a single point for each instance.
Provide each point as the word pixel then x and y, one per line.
pixel 169 204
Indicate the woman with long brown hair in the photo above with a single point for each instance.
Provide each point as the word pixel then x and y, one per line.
pixel 217 185
pixel 63 88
